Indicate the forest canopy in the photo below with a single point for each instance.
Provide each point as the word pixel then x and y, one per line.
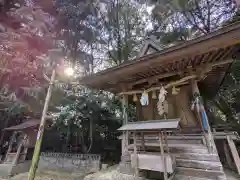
pixel 94 35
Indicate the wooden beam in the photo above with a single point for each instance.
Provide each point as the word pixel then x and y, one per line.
pixel 201 69
pixel 206 57
pixel 151 79
pixel 123 141
pixel 226 54
pixel 15 161
pixel 166 141
pixel 163 156
pixel 135 154
pixel 169 85
pixel 204 121
pixel 10 144
pixel 124 107
pixel 222 62
pixel 227 155
pixel 143 141
pixel 234 153
pixel 125 121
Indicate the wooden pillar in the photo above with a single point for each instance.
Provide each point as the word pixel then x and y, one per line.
pixel 15 161
pixel 25 153
pixel 163 156
pixel 125 139
pixel 143 142
pixel 123 142
pixel 164 133
pixel 10 144
pixel 135 154
pixel 125 106
pixel 204 121
pixel 227 155
pixel 234 153
pixel 195 90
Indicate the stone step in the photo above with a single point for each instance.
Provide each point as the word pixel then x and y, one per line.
pixel 205 165
pixel 200 173
pixel 196 156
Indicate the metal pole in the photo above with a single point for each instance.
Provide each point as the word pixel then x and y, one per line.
pixel 35 159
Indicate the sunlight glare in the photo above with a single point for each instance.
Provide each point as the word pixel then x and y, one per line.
pixel 69 71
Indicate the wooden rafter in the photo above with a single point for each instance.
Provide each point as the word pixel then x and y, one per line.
pixel 203 69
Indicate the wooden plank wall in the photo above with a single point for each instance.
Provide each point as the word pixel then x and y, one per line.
pixel 178 106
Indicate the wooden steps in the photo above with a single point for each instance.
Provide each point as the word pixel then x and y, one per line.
pixel 183 177
pixel 206 165
pixel 196 156
pixel 188 148
pixel 200 173
pixel 193 161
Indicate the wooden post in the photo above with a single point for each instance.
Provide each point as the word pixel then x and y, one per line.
pixel 143 141
pixel 163 156
pixel 123 142
pixel 164 133
pixel 35 159
pixel 234 153
pixel 10 144
pixel 125 139
pixel 209 137
pixel 125 106
pixel 15 161
pixel 135 154
pixel 227 154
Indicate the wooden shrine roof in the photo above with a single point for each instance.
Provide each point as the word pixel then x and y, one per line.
pixel 215 49
pixel 25 125
pixel 29 123
pixel 150 125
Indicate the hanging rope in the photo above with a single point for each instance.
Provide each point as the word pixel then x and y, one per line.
pixel 162 104
pixel 169 85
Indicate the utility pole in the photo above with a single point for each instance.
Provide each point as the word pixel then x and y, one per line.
pixel 35 158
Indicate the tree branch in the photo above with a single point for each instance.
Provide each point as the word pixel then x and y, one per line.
pixel 194 22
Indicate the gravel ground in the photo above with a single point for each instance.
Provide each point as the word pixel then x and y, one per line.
pixel 50 175
pixel 109 174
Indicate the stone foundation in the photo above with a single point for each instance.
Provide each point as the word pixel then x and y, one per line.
pixel 125 165
pixel 84 163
